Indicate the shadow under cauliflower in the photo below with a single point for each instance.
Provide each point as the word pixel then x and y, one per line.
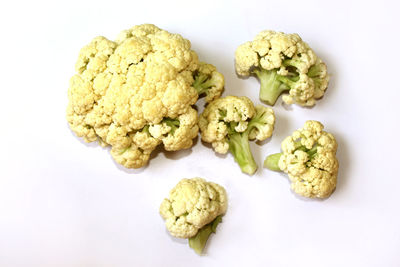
pixel 137 92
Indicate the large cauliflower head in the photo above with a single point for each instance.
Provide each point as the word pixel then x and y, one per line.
pixel 309 158
pixel 137 92
pixel 192 204
pixel 283 62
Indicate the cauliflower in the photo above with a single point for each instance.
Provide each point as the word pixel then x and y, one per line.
pixel 193 210
pixel 283 62
pixel 137 92
pixel 308 156
pixel 228 123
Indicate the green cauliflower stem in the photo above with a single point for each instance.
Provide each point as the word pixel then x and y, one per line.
pixel 271 162
pixel 229 123
pixel 199 241
pixel 202 83
pixel 173 123
pixel 271 86
pixel 239 146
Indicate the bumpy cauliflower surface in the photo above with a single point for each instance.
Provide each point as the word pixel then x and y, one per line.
pixel 283 62
pixel 229 122
pixel 192 204
pixel 309 158
pixel 137 92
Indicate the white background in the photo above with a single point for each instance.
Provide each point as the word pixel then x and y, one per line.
pixel 65 203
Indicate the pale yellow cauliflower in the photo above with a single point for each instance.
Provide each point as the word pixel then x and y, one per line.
pixel 229 122
pixel 138 92
pixel 283 62
pixel 309 158
pixel 192 204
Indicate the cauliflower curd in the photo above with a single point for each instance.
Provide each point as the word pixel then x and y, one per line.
pixel 138 91
pixel 309 158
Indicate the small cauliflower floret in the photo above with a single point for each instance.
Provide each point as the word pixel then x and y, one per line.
pixel 183 130
pixel 193 210
pixel 135 151
pixel 309 158
pixel 229 123
pixel 138 92
pixel 208 81
pixel 283 62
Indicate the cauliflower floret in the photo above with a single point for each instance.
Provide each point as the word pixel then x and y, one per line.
pixel 229 122
pixel 283 62
pixel 309 158
pixel 182 136
pixel 135 151
pixel 209 81
pixel 126 93
pixel 192 204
